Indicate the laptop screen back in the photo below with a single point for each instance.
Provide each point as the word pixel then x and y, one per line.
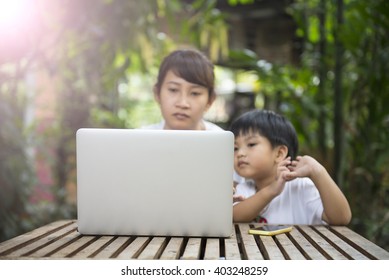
pixel 154 182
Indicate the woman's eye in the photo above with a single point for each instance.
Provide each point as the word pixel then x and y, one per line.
pixel 195 93
pixel 173 90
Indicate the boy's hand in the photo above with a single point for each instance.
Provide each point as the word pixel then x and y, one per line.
pixel 303 166
pixel 237 198
pixel 282 176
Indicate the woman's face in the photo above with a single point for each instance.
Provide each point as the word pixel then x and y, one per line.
pixel 182 104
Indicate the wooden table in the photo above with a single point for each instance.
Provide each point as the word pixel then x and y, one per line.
pixel 60 240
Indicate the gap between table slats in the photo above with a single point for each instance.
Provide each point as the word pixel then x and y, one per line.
pixel 361 244
pixel 339 244
pixel 16 243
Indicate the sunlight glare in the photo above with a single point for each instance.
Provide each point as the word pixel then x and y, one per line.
pixel 12 11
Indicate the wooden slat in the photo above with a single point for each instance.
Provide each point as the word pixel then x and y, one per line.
pixel 60 240
pixel 192 249
pixel 43 242
pixel 232 248
pixel 53 247
pixel 359 242
pixel 274 253
pixel 289 248
pixel 135 248
pixel 250 248
pixel 212 249
pixel 112 248
pixel 32 236
pixel 173 248
pixel 94 247
pixel 322 245
pixel 309 251
pixel 153 249
pixel 73 247
pixel 348 250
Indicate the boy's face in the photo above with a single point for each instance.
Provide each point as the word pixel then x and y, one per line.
pixel 254 156
pixel 182 104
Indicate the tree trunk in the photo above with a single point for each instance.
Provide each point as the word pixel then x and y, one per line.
pixel 322 77
pixel 338 98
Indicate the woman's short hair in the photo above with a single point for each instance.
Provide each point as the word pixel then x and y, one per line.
pixel 191 65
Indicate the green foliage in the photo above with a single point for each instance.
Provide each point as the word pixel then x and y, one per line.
pixel 367 88
pixel 365 41
pixel 236 2
pixel 16 174
pixel 295 92
pixel 207 29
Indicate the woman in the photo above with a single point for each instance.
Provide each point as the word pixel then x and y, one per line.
pixel 185 91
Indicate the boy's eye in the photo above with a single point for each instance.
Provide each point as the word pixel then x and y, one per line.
pixel 251 144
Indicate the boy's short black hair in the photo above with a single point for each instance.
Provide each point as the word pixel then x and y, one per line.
pixel 276 128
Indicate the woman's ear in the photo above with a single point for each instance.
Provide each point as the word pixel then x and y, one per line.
pixel 281 153
pixel 211 99
pixel 157 96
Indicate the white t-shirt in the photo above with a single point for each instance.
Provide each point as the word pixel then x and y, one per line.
pixel 298 203
pixel 161 125
pixel 208 126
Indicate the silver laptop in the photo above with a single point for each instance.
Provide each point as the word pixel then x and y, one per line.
pixel 154 182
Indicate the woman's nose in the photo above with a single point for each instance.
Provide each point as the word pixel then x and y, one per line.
pixel 183 101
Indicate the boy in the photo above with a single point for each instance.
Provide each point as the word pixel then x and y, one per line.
pixel 283 188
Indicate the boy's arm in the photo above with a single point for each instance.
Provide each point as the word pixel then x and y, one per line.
pixel 248 209
pixel 336 207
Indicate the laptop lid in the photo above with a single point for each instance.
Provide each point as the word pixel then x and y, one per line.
pixel 154 182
